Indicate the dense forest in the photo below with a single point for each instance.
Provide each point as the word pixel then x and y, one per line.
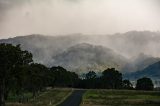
pixel 19 74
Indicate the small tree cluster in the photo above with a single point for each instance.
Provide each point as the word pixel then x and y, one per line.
pixel 110 79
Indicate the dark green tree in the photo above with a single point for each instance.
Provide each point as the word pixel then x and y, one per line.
pixel 127 84
pixel 74 79
pixel 37 78
pixel 11 59
pixel 91 75
pixel 63 78
pixel 112 79
pixel 144 84
pixel 90 79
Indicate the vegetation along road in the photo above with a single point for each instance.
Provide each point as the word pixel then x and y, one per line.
pixel 74 99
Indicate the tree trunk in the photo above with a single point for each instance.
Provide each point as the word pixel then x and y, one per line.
pixel 2 93
pixel 34 94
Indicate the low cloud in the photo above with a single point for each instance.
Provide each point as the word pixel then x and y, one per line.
pixel 55 17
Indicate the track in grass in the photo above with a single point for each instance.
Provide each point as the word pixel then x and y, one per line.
pixel 74 99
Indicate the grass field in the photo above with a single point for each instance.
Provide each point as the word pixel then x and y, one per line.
pixel 120 98
pixel 49 98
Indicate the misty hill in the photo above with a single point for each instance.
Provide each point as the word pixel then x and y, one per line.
pixel 85 57
pixel 133 43
pixel 44 48
pixel 152 71
pixel 140 62
pixel 128 45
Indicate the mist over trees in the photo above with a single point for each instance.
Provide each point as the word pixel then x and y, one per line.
pixel 19 75
pixel 142 50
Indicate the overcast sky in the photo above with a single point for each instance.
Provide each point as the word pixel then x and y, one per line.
pixel 53 17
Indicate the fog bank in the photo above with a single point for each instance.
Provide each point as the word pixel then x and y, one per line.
pixel 56 17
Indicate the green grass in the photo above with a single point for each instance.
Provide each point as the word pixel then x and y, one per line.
pixel 15 98
pixel 49 98
pixel 121 98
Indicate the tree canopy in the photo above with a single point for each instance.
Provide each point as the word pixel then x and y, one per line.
pixel 144 84
pixel 112 78
pixel 12 59
pixel 127 84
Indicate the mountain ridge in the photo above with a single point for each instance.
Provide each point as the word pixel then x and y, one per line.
pixel 88 57
pixel 128 45
pixel 152 71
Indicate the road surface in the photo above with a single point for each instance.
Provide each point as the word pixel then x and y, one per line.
pixel 74 99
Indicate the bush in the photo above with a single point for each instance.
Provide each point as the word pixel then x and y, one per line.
pixel 144 84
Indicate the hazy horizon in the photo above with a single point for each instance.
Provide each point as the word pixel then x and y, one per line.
pixel 90 17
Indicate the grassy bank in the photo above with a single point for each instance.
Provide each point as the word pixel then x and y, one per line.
pixel 120 98
pixel 49 98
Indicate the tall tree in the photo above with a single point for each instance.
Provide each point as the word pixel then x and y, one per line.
pixel 90 79
pixel 11 58
pixel 112 79
pixel 38 78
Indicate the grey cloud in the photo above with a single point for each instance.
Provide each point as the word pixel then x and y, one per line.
pixel 55 17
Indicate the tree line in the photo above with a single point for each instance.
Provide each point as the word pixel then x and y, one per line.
pixel 19 74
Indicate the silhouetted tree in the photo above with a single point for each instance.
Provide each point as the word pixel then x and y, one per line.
pixel 112 79
pixel 91 75
pixel 144 84
pixel 38 78
pixel 11 59
pixel 90 79
pixel 127 84
pixel 63 78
